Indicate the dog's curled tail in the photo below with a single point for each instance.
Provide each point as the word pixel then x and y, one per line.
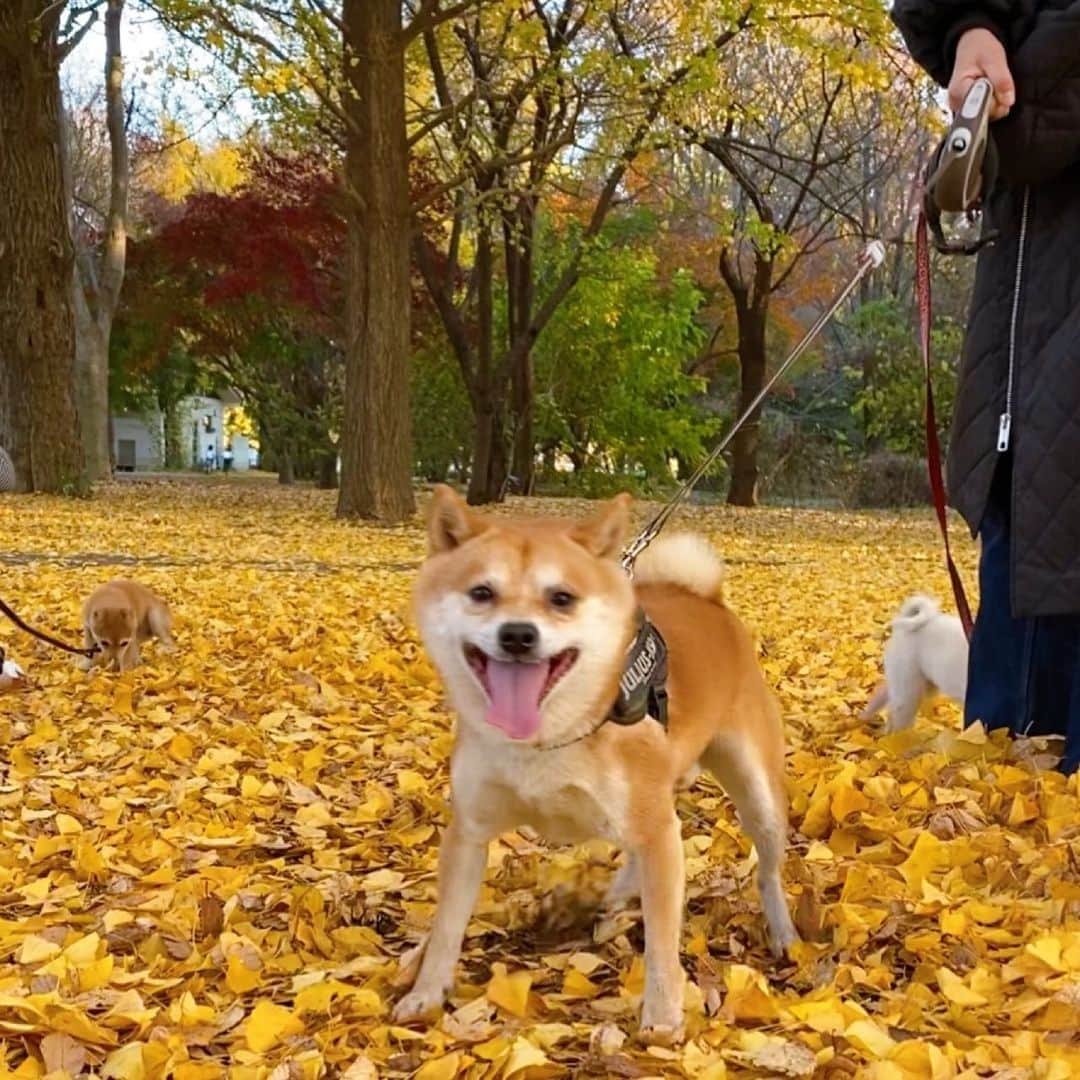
pixel 685 560
pixel 915 612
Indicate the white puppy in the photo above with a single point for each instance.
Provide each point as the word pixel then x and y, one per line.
pixel 11 675
pixel 927 651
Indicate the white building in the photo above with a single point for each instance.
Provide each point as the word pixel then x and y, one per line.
pixel 139 440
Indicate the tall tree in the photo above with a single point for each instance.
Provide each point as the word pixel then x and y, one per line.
pixel 101 254
pixel 519 93
pixel 793 159
pixel 351 61
pixel 39 424
pixel 376 436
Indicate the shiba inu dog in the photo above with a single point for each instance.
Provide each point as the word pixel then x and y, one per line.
pixel 927 651
pixel 117 618
pixel 529 624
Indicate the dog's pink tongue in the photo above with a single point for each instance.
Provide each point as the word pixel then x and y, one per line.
pixel 515 697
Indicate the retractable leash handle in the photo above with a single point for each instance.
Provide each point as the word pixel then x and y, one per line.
pixel 957 178
pixel 962 170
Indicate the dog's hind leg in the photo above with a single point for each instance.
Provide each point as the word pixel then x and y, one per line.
pixel 878 700
pixel 626 885
pixel 161 626
pixel 760 799
pixel 907 688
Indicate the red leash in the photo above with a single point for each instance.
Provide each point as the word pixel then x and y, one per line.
pixel 933 446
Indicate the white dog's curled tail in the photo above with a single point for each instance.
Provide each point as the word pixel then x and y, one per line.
pixel 915 613
pixel 685 560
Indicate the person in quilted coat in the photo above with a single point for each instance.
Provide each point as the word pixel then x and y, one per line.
pixel 1014 455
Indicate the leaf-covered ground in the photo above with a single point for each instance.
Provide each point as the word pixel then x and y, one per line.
pixel 212 865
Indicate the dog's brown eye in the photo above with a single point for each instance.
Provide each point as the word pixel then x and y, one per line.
pixel 481 594
pixel 125 644
pixel 560 598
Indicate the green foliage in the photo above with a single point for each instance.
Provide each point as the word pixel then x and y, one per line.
pixel 891 398
pixel 612 392
pixel 442 419
pixel 612 395
pixel 143 378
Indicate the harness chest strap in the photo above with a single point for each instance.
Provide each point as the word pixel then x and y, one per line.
pixel 643 686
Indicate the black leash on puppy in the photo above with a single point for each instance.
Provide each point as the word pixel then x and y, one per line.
pixel 56 643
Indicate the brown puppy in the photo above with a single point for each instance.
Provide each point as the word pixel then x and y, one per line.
pixel 529 624
pixel 117 617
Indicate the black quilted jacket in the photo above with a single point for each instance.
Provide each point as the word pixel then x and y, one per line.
pixel 1020 371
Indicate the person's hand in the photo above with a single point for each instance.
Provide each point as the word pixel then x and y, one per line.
pixel 979 54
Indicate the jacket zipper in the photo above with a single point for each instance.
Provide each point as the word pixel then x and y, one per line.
pixel 1005 420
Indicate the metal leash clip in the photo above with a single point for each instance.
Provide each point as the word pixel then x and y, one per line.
pixel 962 171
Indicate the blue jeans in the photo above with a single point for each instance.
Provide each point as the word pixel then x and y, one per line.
pixel 1023 673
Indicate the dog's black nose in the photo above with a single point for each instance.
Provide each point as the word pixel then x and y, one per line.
pixel 518 638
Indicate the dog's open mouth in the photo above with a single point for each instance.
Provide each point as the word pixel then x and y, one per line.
pixel 516 690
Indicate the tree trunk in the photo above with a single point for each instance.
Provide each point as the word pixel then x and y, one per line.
pixel 92 391
pixel 327 479
pixel 488 393
pixel 100 274
pixel 174 435
pixel 39 426
pixel 522 396
pixel 110 434
pixel 519 243
pixel 752 320
pixel 376 441
pixel 487 479
pixel 286 471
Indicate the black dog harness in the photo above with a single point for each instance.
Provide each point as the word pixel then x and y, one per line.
pixel 643 686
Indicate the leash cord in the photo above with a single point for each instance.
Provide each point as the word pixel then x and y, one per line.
pixel 933 445
pixel 871 258
pixel 42 636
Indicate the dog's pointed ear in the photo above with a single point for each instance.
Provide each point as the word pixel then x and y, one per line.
pixel 450 521
pixel 604 534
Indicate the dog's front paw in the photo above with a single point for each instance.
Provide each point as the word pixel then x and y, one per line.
pixel 781 941
pixel 661 1034
pixel 661 1023
pixel 419 1004
pixel 895 724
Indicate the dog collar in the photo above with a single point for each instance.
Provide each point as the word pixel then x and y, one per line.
pixel 643 686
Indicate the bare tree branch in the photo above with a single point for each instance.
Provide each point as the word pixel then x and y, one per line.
pixel 431 14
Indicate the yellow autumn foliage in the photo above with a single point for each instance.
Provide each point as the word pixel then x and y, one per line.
pixel 184 167
pixel 212 866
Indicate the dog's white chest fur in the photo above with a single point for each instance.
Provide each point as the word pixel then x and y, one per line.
pixel 559 793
